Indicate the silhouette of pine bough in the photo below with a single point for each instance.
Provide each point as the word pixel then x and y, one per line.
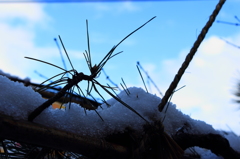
pixel 127 144
pixel 79 76
pixel 73 98
pixel 49 92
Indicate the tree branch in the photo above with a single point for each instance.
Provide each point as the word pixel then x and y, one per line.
pixel 214 142
pixel 190 55
pixel 36 134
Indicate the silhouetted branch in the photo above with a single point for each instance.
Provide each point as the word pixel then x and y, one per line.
pixel 108 78
pixel 214 142
pixel 230 23
pixel 232 44
pixel 127 144
pixel 190 55
pixel 32 133
pixel 149 78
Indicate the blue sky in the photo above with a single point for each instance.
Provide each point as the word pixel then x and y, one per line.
pixel 160 46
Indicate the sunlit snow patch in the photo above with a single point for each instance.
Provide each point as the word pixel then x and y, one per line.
pixel 18 101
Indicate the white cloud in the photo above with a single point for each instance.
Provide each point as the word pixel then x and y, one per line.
pixel 17 39
pixel 212 46
pixel 30 13
pixel 209 82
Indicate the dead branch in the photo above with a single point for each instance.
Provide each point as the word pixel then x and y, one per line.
pixel 36 134
pixel 190 55
pixel 214 142
pixel 121 146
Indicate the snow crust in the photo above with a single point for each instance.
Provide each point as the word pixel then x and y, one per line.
pixel 204 153
pixel 18 101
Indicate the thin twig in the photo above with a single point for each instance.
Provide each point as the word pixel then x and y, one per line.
pixel 189 57
pixel 76 79
pixel 108 78
pixel 120 101
pixel 124 89
pixel 125 86
pixel 60 52
pixel 232 44
pixel 142 78
pixel 149 78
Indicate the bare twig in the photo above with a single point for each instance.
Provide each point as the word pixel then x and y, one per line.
pixel 230 43
pixel 31 133
pixel 108 78
pixel 149 78
pixel 189 57
pixel 230 23
pixel 214 142
pixel 142 78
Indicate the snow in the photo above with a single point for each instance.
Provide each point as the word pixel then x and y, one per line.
pixel 234 140
pixel 204 153
pixel 18 101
